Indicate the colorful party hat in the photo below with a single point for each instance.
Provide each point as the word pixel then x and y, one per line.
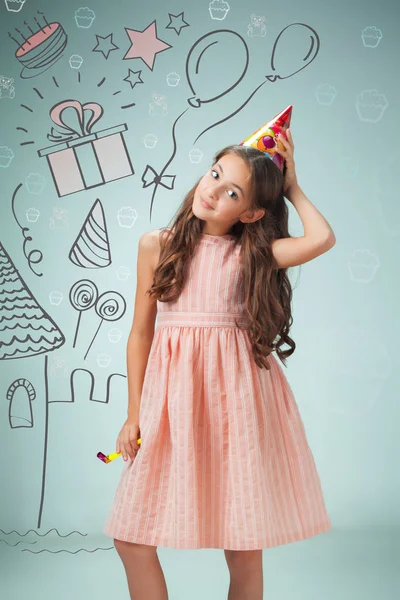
pixel 264 139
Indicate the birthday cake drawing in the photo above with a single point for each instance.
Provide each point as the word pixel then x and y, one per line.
pixel 41 48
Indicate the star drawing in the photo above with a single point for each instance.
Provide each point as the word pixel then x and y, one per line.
pixel 145 44
pixel 177 22
pixel 105 45
pixel 133 78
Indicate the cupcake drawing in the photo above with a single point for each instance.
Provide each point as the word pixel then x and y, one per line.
pixel 6 156
pixel 35 183
pixel 14 5
pixel 195 155
pixel 173 79
pixel 325 94
pixel 75 61
pixel 126 216
pixel 32 214
pixel 123 273
pixel 103 360
pixel 84 17
pixel 150 140
pixel 114 335
pixel 371 105
pixel 371 36
pixel 218 9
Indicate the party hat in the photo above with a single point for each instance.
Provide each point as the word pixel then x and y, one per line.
pixel 264 139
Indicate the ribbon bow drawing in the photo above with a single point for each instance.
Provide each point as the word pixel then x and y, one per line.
pixel 151 177
pixel 69 132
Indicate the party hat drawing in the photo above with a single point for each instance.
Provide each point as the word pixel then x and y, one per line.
pixel 264 139
pixel 91 249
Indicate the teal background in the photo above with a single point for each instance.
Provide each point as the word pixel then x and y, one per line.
pixel 345 304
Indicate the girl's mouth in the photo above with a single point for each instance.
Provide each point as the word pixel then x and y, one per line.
pixel 204 203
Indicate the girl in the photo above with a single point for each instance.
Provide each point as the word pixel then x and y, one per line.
pixel 224 460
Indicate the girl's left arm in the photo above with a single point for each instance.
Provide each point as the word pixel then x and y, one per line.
pixel 318 235
pixel 314 223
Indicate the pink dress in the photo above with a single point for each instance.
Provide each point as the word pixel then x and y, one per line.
pixel 224 460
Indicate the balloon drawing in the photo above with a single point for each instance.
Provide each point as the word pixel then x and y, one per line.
pixel 209 50
pixel 283 65
pixel 206 56
pixel 297 34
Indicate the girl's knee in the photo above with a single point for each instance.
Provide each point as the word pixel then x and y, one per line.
pixel 243 558
pixel 131 549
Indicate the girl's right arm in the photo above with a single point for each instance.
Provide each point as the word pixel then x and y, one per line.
pixel 140 337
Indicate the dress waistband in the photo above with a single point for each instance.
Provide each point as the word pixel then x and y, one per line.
pixel 201 319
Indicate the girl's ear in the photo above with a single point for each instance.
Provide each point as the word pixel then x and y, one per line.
pixel 253 215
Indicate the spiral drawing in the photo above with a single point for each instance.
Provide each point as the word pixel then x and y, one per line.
pixel 110 306
pixel 83 295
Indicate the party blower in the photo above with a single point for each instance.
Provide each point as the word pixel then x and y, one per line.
pixel 106 458
pixel 264 139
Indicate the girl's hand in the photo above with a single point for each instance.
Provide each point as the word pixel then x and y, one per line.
pixel 290 175
pixel 127 439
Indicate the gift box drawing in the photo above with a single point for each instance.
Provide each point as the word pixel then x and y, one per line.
pixel 80 159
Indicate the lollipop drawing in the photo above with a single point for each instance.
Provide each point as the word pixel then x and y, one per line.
pixel 83 295
pixel 110 306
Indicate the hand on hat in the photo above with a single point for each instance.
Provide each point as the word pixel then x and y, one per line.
pixel 287 153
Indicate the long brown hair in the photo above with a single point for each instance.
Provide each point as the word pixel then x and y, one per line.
pixel 268 292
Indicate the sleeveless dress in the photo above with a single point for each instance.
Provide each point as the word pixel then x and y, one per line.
pixel 224 460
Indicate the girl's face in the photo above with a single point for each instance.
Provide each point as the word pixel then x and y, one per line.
pixel 225 188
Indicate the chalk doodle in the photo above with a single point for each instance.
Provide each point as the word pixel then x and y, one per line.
pixel 177 22
pixel 208 49
pixel 110 306
pixel 20 410
pixel 43 47
pixel 70 543
pixel 26 328
pixel 81 159
pixel 105 45
pixel 145 45
pixel 83 296
pixel 133 77
pixel 297 34
pixel 7 89
pixel 34 257
pixel 91 249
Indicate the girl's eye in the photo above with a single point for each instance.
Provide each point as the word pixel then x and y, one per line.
pixel 234 195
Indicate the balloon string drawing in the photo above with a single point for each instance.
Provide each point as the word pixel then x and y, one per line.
pixel 298 34
pixel 34 257
pixel 204 52
pixel 205 55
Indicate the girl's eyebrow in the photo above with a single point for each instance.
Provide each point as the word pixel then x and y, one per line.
pixel 231 182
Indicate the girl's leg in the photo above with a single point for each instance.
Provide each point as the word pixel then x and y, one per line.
pixel 245 568
pixel 143 571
